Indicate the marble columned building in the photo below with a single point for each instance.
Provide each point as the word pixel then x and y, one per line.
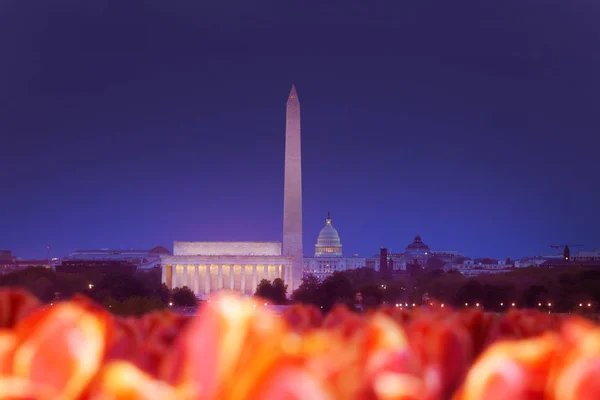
pixel 207 267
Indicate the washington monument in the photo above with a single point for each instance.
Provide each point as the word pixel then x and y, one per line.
pixel 292 193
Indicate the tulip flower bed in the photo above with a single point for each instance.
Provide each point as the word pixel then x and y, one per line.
pixel 235 349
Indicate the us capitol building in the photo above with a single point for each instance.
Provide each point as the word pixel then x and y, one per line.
pixel 328 254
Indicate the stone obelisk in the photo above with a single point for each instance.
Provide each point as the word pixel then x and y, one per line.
pixel 292 193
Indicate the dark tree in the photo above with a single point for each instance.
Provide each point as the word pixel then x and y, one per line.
pixel 151 279
pixel 493 295
pixel 337 289
pixel 471 292
pixel 264 289
pixel 164 293
pixel 118 286
pixel 309 291
pixel 279 291
pixel 134 305
pixel 534 295
pixel 372 294
pixel 274 292
pixel 183 297
pixel 434 263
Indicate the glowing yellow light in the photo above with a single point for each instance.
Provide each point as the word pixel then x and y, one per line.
pixel 466 304
pixel 580 305
pixel 549 304
pixel 513 304
pixel 477 305
pixel 442 304
pixel 539 304
pixel 413 304
pixel 589 304
pixel 502 304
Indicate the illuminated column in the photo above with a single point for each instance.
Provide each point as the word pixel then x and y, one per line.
pixel 169 276
pixel 177 280
pixel 185 276
pixel 243 280
pixel 231 280
pixel 220 277
pixel 163 279
pixel 280 271
pixel 254 281
pixel 196 288
pixel 207 279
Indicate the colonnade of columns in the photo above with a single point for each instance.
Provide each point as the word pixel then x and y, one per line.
pixel 203 279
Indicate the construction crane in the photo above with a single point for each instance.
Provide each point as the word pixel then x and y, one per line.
pixel 566 252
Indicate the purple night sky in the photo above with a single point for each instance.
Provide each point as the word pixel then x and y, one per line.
pixel 473 123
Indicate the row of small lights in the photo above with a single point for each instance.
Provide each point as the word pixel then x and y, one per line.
pixel 406 305
pixel 539 304
pixel 478 305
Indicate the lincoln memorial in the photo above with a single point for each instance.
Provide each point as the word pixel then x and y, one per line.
pixel 206 267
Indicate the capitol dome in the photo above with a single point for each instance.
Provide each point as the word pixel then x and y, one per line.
pixel 328 242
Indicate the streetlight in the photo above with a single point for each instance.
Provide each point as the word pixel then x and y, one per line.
pixel 476 304
pixel 170 304
pixel 442 305
pixel 466 304
pixel 413 304
pixel 589 304
pixel 580 305
pixel 513 304
pixel 91 286
pixel 549 304
pixel 501 304
pixel 539 304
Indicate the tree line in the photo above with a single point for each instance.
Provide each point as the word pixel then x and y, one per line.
pixel 569 289
pixel 565 289
pixel 121 293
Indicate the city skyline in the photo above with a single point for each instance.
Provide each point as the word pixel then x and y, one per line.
pixel 170 127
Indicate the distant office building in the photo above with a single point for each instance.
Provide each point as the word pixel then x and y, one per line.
pixel 143 259
pixel 329 256
pixel 101 266
pixel 536 261
pixel 10 263
pixel 586 256
pixel 373 262
pixel 470 268
pixel 561 262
